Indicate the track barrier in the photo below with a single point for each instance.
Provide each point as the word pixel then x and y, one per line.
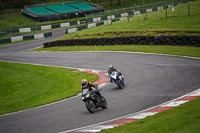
pixel 134 40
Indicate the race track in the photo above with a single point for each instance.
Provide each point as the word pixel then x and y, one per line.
pixel 150 80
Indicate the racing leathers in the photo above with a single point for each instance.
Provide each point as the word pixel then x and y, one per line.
pixel 91 87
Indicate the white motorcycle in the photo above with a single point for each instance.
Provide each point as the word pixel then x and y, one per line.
pixel 118 79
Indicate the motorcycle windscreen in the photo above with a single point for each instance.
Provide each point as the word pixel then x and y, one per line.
pixel 85 91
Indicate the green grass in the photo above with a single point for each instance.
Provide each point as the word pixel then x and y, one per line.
pixel 182 119
pixel 26 86
pixel 173 50
pixel 8 11
pixel 177 23
pixel 14 21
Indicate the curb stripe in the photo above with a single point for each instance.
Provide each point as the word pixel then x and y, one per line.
pixel 160 109
pixel 141 115
pixel 103 78
pixel 189 98
pixel 174 104
pixel 121 121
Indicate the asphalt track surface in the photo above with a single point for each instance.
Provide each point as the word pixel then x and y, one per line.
pixel 150 80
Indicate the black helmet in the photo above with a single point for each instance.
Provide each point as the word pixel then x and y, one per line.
pixel 110 66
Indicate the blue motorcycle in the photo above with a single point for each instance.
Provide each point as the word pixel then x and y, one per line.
pixel 117 78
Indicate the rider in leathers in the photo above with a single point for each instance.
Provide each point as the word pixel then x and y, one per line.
pixel 88 85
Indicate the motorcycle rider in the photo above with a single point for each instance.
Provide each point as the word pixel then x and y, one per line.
pixel 88 85
pixel 112 69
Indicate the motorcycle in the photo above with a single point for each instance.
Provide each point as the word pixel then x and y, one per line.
pixel 118 79
pixel 93 100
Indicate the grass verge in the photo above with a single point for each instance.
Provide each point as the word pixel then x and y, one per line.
pixel 9 11
pixel 182 119
pixel 160 49
pixel 25 86
pixel 176 23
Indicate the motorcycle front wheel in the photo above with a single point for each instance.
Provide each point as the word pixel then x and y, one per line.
pixel 90 106
pixel 118 82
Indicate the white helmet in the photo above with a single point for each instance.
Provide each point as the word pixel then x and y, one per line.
pixel 110 66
